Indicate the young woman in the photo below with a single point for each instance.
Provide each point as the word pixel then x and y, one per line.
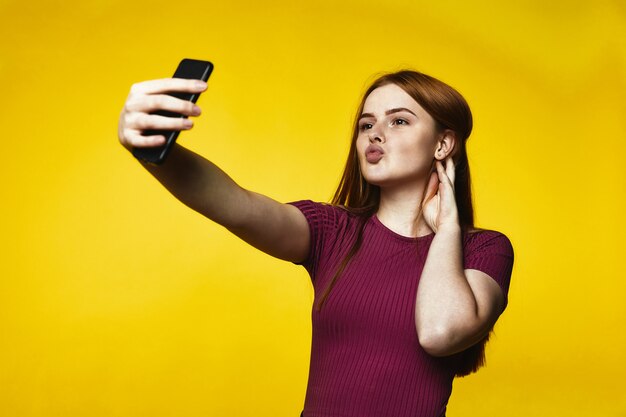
pixel 406 289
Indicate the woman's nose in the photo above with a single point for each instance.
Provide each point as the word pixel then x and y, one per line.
pixel 376 136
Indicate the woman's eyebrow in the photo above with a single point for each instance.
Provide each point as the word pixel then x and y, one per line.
pixel 388 112
pixel 399 109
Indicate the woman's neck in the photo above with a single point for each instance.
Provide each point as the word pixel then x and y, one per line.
pixel 399 209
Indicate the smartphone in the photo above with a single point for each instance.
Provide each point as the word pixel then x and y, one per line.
pixel 188 68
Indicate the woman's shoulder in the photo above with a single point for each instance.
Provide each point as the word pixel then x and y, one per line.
pixel 328 208
pixel 479 238
pixel 478 231
pixel 325 213
pixel 320 207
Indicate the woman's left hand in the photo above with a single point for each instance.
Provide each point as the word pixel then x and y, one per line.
pixel 439 206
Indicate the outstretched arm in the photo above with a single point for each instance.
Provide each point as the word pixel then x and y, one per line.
pixel 275 228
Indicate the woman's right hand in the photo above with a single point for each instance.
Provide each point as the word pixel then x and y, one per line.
pixel 149 96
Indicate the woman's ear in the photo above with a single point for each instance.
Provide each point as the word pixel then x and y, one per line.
pixel 445 145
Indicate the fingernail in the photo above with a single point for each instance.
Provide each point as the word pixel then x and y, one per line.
pixel 187 123
pixel 196 111
pixel 200 84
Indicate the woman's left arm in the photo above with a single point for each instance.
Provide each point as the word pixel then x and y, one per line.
pixel 455 308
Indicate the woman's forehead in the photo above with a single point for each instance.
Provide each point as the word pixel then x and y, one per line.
pixel 387 97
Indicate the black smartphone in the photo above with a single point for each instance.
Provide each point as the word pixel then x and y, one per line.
pixel 188 68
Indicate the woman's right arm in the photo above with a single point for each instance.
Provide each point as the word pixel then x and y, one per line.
pixel 280 230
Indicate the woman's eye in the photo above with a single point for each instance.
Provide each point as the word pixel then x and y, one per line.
pixel 365 126
pixel 400 122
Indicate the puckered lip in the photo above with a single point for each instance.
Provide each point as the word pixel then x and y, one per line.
pixel 371 149
pixel 373 153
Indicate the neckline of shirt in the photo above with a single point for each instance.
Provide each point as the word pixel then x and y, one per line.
pixel 395 235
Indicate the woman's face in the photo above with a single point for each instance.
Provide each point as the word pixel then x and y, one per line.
pixel 397 139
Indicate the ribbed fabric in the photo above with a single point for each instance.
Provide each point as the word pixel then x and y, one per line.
pixel 366 360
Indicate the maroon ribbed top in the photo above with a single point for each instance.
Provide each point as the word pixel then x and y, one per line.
pixel 366 360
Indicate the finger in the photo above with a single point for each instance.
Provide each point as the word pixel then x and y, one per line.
pixel 441 173
pixel 164 85
pixel 151 103
pixel 136 140
pixel 143 121
pixel 450 169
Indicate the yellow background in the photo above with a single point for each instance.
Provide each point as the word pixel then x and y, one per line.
pixel 116 300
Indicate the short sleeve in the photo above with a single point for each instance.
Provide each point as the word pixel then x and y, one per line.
pixel 490 252
pixel 322 220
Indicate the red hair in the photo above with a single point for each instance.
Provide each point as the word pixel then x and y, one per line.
pixel 450 111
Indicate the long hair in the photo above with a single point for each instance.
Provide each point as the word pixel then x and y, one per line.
pixel 450 111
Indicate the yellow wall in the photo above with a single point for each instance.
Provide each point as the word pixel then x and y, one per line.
pixel 116 300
